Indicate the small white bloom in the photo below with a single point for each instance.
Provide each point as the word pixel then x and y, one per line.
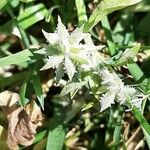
pixel 111 80
pixel 70 46
pixel 115 88
pixel 125 94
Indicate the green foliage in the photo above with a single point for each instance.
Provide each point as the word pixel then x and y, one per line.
pixel 56 138
pixel 83 73
pixel 17 58
pixel 3 3
pixel 104 8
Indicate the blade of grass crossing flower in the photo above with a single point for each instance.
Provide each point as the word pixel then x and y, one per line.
pixel 17 58
pixel 108 33
pixel 38 88
pixel 81 11
pixel 104 8
pixel 56 138
pixel 127 55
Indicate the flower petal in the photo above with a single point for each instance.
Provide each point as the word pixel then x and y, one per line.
pixel 76 36
pixel 53 62
pixel 52 38
pixel 106 100
pixel 62 33
pixel 70 68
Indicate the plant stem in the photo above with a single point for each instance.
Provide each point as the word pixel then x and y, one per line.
pixel 24 36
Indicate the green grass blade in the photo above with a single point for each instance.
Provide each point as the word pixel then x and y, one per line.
pixel 127 56
pixel 23 89
pixel 22 94
pixel 108 33
pixel 23 34
pixel 81 11
pixel 118 127
pixel 40 136
pixel 56 138
pixel 2 3
pixel 144 124
pixel 135 71
pixel 32 15
pixel 17 58
pixel 38 89
pixel 104 8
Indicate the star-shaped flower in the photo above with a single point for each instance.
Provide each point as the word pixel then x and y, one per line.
pixel 116 90
pixel 66 50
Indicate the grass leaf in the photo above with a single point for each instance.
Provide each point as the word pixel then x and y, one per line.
pixel 106 7
pixel 144 124
pixel 16 59
pixel 56 138
pixel 81 10
pixel 72 88
pixel 127 55
pixel 2 3
pixel 38 89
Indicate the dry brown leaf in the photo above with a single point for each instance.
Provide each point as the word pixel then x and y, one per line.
pixel 22 122
pixel 8 98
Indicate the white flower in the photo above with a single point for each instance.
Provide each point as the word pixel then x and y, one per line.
pixel 107 100
pixel 65 46
pixel 112 81
pixel 124 94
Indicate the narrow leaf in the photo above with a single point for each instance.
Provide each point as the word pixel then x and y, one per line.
pixel 141 120
pixel 105 7
pixel 135 71
pixel 2 3
pixel 40 136
pixel 127 55
pixel 17 58
pixel 71 88
pixel 56 138
pixel 30 16
pixel 22 94
pixel 106 26
pixel 81 10
pixel 38 89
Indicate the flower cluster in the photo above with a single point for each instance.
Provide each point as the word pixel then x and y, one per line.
pixel 66 50
pixel 116 89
